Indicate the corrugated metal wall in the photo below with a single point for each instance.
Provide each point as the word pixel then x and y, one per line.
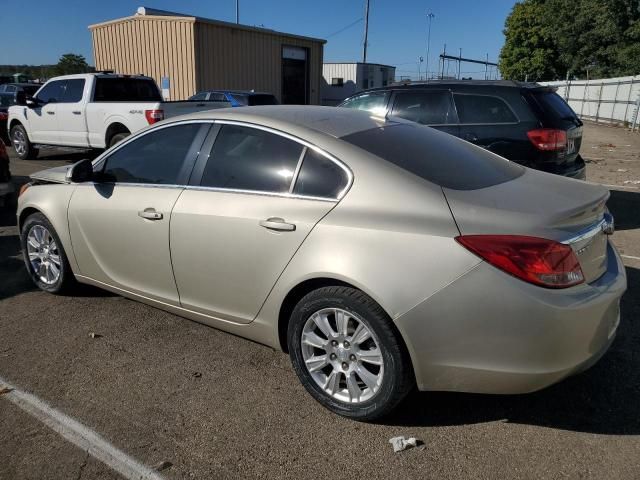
pixel 150 45
pixel 333 95
pixel 232 58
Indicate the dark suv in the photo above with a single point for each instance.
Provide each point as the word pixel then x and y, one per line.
pixel 524 122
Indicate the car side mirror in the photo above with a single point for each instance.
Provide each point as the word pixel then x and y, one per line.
pixel 80 172
pixel 31 102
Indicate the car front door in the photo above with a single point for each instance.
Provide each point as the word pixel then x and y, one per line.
pixel 235 228
pixel 119 224
pixel 433 108
pixel 42 119
pixel 71 115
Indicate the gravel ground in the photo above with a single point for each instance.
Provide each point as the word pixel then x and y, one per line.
pixel 162 388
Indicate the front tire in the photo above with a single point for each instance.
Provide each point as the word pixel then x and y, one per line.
pixel 21 143
pixel 44 256
pixel 347 354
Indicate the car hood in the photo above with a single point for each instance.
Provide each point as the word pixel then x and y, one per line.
pixel 52 175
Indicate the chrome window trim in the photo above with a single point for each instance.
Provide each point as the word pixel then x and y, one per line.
pixel 486 95
pixel 302 142
pixel 262 193
pixel 137 185
pixel 294 179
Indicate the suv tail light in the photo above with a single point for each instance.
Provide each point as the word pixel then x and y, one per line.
pixel 4 115
pixel 543 262
pixel 154 116
pixel 548 139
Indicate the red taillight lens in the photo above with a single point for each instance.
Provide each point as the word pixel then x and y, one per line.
pixel 548 139
pixel 535 260
pixel 4 115
pixel 154 116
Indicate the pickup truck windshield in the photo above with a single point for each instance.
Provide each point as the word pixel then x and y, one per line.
pixel 124 89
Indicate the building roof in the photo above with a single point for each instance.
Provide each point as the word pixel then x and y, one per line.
pixel 359 63
pixel 144 13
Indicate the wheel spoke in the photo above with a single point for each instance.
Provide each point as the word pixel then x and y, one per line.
pixel 33 256
pixel 323 324
pixel 55 271
pixel 42 270
pixel 342 320
pixel 316 363
pixel 32 241
pixel 333 382
pixel 353 388
pixel 362 334
pixel 55 258
pixel 371 356
pixel 367 377
pixel 313 339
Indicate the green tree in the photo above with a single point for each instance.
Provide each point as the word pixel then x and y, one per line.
pixel 70 63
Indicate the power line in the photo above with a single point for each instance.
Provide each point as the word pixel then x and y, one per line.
pixel 345 28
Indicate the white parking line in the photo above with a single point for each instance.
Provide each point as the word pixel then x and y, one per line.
pixel 630 257
pixel 76 433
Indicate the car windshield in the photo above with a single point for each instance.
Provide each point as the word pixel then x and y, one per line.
pixel 436 156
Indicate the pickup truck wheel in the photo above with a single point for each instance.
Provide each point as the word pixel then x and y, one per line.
pixel 117 138
pixel 21 143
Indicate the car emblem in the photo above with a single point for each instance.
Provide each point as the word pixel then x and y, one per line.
pixel 608 225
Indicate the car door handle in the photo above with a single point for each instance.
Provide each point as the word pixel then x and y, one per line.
pixel 150 214
pixel 277 224
pixel 77 112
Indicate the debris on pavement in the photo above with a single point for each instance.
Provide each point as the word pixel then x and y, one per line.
pixel 633 182
pixel 622 170
pixel 162 466
pixel 402 443
pixel 5 390
pixel 196 374
pixel 95 335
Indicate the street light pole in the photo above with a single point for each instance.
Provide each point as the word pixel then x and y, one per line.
pixel 366 32
pixel 429 17
pixel 237 11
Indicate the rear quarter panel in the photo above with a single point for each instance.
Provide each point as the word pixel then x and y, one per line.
pixel 101 115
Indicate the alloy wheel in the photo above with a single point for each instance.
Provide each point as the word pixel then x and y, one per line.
pixel 342 355
pixel 44 255
pixel 19 142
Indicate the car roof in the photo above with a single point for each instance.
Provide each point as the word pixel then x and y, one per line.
pixel 295 119
pixel 22 84
pixel 241 92
pixel 460 83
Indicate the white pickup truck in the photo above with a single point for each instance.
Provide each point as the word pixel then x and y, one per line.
pixel 95 110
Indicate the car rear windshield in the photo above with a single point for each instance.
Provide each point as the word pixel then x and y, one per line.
pixel 122 89
pixel 435 156
pixel 552 102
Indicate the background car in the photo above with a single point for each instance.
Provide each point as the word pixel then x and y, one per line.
pixel 236 98
pixel 6 187
pixel 523 122
pixel 380 254
pixel 9 95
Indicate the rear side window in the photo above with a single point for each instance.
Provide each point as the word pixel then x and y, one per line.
pixel 375 102
pixel 428 108
pixel 154 158
pixel 551 101
pixel 123 89
pixel 246 158
pixel 218 97
pixel 320 177
pixel 73 92
pixel 436 156
pixel 199 96
pixel 483 109
pixel 52 92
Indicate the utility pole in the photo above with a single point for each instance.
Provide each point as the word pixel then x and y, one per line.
pixel 429 17
pixel 237 11
pixel 366 32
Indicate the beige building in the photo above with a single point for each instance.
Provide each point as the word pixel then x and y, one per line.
pixel 197 54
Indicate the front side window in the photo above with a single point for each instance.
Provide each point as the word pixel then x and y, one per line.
pixel 52 92
pixel 374 102
pixel 73 91
pixel 483 109
pixel 154 158
pixel 320 177
pixel 427 108
pixel 246 158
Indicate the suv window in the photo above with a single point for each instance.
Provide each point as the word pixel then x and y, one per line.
pixel 428 108
pixel 436 156
pixel 375 102
pixel 123 89
pixel 155 158
pixel 246 158
pixel 52 92
pixel 199 96
pixel 483 109
pixel 10 88
pixel 218 97
pixel 320 177
pixel 553 102
pixel 73 91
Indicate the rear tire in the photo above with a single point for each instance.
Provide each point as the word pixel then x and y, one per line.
pixel 360 379
pixel 44 256
pixel 117 138
pixel 21 143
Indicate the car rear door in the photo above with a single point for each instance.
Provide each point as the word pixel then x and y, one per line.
pixel 242 218
pixel 119 224
pixel 71 114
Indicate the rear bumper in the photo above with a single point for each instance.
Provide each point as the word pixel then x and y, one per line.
pixel 490 333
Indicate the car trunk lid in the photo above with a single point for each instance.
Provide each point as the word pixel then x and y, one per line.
pixel 540 205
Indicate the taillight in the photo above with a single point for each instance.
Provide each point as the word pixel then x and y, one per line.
pixel 154 116
pixel 4 115
pixel 535 260
pixel 548 139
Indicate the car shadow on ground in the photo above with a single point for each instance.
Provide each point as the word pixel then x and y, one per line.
pixel 602 400
pixel 625 207
pixel 69 155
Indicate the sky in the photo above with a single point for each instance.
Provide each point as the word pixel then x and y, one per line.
pixel 397 28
